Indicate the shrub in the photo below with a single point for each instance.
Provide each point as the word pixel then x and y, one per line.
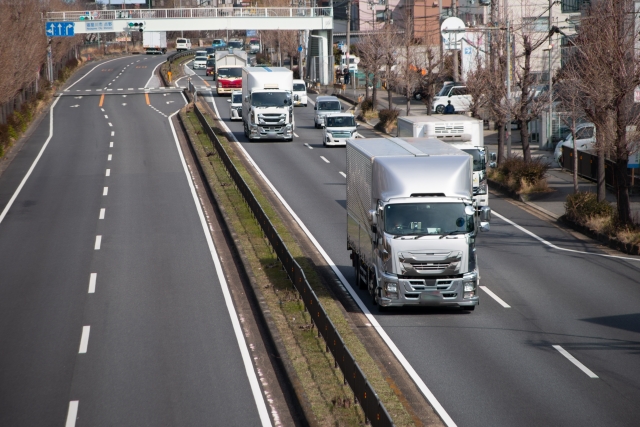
pixel 518 174
pixel 582 206
pixel 11 132
pixel 366 105
pixel 261 58
pixel 387 120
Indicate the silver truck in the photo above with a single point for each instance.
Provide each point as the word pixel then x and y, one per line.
pixel 412 222
pixel 463 132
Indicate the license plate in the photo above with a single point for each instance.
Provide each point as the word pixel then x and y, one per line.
pixel 435 296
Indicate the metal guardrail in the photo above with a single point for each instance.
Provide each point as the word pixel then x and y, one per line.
pixel 374 410
pixel 198 12
pixel 588 168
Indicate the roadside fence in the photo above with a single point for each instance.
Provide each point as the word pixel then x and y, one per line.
pixel 588 168
pixel 364 394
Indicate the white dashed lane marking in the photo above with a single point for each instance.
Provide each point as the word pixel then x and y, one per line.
pixel 92 282
pixel 325 159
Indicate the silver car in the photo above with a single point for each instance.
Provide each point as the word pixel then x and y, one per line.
pixel 325 105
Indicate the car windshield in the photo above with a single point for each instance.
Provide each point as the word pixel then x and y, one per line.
pixel 445 90
pixel 479 158
pixel 329 105
pixel 229 72
pixel 181 40
pixel 217 41
pixel 236 98
pixel 211 62
pixel 584 133
pixel 426 218
pixel 201 58
pixel 341 122
pixel 237 45
pixel 299 87
pixel 270 99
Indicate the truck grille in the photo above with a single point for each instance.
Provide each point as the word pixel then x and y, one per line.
pixel 272 119
pixel 431 266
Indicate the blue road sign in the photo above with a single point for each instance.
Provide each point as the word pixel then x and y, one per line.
pixel 60 29
pixel 299 48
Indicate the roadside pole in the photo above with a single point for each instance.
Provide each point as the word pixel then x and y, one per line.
pixel 454 10
pixel 508 80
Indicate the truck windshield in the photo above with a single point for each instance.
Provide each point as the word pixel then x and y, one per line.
pixel 235 45
pixel 270 99
pixel 329 105
pixel 426 218
pixel 479 159
pixel 229 72
pixel 341 122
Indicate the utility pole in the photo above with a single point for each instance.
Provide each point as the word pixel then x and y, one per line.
pixel 349 36
pixel 549 134
pixel 454 11
pixel 508 79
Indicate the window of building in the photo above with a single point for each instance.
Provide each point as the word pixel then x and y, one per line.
pixel 571 6
pixel 538 24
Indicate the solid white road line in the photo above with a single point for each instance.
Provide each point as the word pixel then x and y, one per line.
pixel 242 344
pixel 98 243
pixel 153 74
pixel 72 414
pixel 575 361
pixel 92 282
pixel 105 191
pixel 446 418
pixel 84 340
pixel 495 297
pixel 33 165
pixel 325 159
pixel 551 245
pixel 109 158
pixel 108 173
pixel 102 212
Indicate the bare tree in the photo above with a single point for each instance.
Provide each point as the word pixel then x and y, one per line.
pixel 606 68
pixel 371 61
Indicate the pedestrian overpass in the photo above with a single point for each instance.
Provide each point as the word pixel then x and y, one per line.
pixel 317 20
pixel 197 19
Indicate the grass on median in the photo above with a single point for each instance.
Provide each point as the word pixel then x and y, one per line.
pixel 331 401
pixel 175 67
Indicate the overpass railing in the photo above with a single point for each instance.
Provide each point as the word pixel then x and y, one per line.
pixel 196 12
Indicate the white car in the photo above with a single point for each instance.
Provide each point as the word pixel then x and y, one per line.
pixel 586 137
pixel 235 105
pixel 200 63
pixel 339 127
pixel 300 93
pixel 183 44
pixel 456 93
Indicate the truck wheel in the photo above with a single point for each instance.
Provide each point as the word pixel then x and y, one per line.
pixel 440 109
pixel 246 133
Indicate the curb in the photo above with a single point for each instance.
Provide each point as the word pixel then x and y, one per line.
pixel 611 242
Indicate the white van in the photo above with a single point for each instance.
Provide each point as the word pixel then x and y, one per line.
pixel 339 127
pixel 325 105
pixel 454 92
pixel 183 44
pixel 300 93
pixel 235 105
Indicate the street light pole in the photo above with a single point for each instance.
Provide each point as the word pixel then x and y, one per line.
pixel 508 80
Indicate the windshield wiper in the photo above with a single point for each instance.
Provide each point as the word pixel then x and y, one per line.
pixel 453 232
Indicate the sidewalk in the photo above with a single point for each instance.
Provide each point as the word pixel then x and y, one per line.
pixel 559 180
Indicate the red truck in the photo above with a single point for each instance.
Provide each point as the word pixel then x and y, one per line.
pixel 229 70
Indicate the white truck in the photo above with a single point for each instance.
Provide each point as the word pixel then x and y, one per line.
pixel 229 65
pixel 463 132
pixel 154 42
pixel 267 103
pixel 412 223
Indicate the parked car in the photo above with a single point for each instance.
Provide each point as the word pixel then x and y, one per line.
pixel 586 137
pixel 218 43
pixel 456 93
pixel 200 63
pixel 300 93
pixel 211 67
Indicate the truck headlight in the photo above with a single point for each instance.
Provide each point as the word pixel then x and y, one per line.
pixel 391 287
pixel 470 289
pixel 219 84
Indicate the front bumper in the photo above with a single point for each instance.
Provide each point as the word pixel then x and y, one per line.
pixel 434 292
pixel 235 113
pixel 228 89
pixel 270 132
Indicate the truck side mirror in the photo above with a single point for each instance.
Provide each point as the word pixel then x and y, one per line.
pixel 485 214
pixel 315 107
pixel 228 100
pixel 374 229
pixel 372 216
pixel 493 157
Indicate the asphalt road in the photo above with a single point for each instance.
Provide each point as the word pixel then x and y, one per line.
pixel 496 366
pixel 111 308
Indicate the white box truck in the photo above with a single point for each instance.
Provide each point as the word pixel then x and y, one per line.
pixel 412 222
pixel 229 65
pixel 463 132
pixel 267 107
pixel 154 42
